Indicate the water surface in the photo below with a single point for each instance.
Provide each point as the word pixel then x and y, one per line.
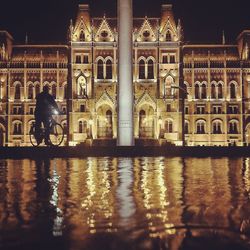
pixel 125 203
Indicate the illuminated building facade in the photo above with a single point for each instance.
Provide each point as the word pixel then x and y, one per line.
pixel 83 76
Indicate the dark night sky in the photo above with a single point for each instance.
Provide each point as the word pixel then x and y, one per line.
pixel 47 20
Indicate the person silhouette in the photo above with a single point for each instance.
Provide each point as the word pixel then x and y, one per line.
pixel 46 106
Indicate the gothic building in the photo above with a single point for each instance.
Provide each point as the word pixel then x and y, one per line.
pixel 196 93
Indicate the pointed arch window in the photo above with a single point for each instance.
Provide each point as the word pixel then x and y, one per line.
pixel 233 127
pixel 30 92
pixel 197 91
pixel 141 69
pixel 232 91
pixel 220 91
pixel 203 91
pixel 17 129
pixel 54 90
pixel 109 71
pixel 168 36
pixel 82 36
pixel 213 91
pixel 150 69
pixel 200 127
pixel 37 89
pixel 100 69
pixel 18 92
pixel 217 127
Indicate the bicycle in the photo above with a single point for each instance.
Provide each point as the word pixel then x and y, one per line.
pixel 56 134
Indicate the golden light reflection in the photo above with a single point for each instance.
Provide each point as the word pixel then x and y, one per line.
pixel 155 198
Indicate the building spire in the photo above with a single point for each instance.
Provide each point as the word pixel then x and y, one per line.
pixel 223 38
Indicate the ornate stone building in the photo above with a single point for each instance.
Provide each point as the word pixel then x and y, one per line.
pixel 209 82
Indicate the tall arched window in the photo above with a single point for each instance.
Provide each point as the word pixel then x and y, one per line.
pixel 37 89
pixel 54 90
pixel 232 91
pixel 168 36
pixel 109 73
pixel 100 74
pixel 217 127
pixel 82 36
pixel 203 91
pixel 17 129
pixel 213 91
pixel 18 92
pixel 233 127
pixel 169 126
pixel 200 127
pixel 150 69
pixel 30 92
pixel 141 69
pixel 220 91
pixel 197 91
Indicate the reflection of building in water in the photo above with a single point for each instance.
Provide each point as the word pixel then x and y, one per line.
pixel 92 191
pixel 158 191
pixel 216 77
pixel 17 192
pixel 214 192
pixel 246 176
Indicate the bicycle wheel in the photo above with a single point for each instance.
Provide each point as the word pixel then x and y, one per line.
pixel 33 139
pixel 56 134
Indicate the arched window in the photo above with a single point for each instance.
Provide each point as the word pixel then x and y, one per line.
pixel 82 36
pixel 30 92
pixel 141 69
pixel 65 94
pixel 220 91
pixel 232 91
pixel 18 92
pixel 150 69
pixel 100 69
pixel 203 91
pixel 168 36
pixel 54 90
pixel 17 129
pixel 197 91
pixel 200 127
pixel 169 126
pixel 109 73
pixel 217 127
pixel 37 89
pixel 233 127
pixel 213 91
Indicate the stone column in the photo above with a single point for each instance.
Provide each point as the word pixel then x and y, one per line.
pixel 125 135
